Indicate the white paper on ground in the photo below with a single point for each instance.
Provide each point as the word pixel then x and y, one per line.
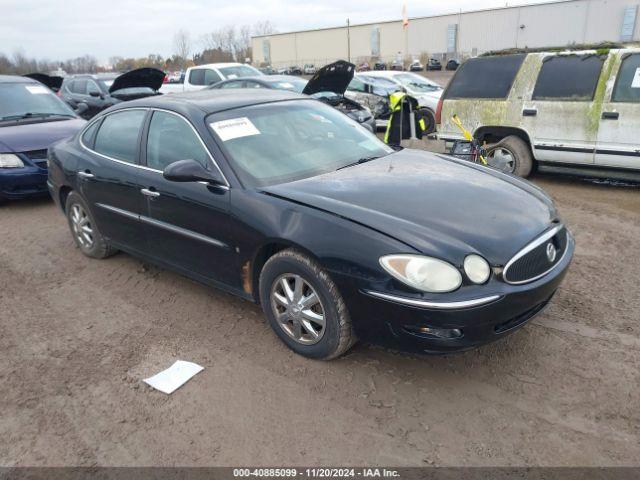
pixel 169 380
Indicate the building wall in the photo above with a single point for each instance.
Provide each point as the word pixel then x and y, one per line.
pixel 551 24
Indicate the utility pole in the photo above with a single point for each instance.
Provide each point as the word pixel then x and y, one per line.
pixel 348 41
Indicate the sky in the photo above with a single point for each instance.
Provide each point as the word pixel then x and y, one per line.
pixel 59 30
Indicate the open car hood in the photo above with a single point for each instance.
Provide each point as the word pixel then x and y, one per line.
pixel 334 77
pixel 141 77
pixel 53 82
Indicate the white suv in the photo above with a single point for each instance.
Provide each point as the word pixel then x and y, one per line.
pixel 555 110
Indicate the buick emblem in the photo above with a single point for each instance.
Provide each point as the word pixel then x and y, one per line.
pixel 551 252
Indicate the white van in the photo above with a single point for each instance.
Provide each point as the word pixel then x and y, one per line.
pixel 201 76
pixel 554 110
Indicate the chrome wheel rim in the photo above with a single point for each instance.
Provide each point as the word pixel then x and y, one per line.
pixel 298 309
pixel 81 225
pixel 502 159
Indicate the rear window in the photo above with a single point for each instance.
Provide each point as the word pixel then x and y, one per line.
pixel 485 77
pixel 568 77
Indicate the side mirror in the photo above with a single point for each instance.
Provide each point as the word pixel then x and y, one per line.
pixel 191 171
pixel 95 94
pixel 81 108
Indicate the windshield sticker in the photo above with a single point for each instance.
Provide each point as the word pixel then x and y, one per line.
pixel 636 79
pixel 286 85
pixel 234 128
pixel 232 76
pixel 37 89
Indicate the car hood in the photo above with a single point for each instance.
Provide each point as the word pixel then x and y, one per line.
pixel 51 81
pixel 334 77
pixel 141 77
pixel 37 136
pixel 438 205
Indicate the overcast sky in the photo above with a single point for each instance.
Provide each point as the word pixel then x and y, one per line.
pixel 48 29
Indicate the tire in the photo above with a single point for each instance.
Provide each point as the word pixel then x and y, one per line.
pixel 429 120
pixel 337 335
pixel 520 152
pixel 90 242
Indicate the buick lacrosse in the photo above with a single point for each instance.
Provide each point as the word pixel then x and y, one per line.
pixel 287 202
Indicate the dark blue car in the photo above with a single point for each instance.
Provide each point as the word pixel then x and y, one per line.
pixel 32 118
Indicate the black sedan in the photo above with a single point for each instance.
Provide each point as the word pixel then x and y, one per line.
pixel 282 200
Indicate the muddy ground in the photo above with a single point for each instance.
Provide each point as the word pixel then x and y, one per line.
pixel 79 335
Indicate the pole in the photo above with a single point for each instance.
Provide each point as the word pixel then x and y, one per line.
pixel 348 41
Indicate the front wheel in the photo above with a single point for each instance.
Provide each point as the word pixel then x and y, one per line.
pixel 511 155
pixel 304 307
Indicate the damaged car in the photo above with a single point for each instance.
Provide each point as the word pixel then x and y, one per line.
pixel 286 202
pixel 100 92
pixel 53 82
pixel 373 93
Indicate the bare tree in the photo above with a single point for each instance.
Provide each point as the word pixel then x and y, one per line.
pixel 263 28
pixel 182 46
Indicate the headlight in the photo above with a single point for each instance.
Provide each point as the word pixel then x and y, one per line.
pixel 423 273
pixel 477 268
pixel 9 160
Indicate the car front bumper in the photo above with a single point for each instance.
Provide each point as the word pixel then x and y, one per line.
pixel 18 183
pixel 399 322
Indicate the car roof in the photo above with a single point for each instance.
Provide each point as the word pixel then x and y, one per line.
pixel 16 79
pixel 212 101
pixel 219 65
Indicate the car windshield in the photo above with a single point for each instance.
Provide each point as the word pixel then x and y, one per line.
pixel 286 141
pixel 25 100
pixel 238 71
pixel 293 84
pixel 416 83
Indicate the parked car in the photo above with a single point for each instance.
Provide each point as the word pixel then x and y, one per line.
pixel 53 82
pixel 100 92
pixel 373 93
pixel 574 111
pixel 175 77
pixel 422 89
pixel 452 64
pixel 309 69
pixel 363 67
pixel 197 78
pixel 32 117
pixel 379 65
pixel 434 64
pixel 276 198
pixel 268 70
pixel 294 70
pixel 328 85
pixel 416 66
pixel 397 65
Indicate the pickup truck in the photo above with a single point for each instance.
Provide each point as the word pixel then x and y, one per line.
pixel 201 76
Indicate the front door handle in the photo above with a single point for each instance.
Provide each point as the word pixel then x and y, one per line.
pixel 149 193
pixel 610 115
pixel 85 174
pixel 529 112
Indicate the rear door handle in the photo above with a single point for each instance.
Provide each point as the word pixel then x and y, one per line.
pixel 529 112
pixel 149 193
pixel 85 174
pixel 610 115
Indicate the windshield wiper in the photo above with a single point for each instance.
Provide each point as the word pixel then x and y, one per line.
pixel 359 161
pixel 24 116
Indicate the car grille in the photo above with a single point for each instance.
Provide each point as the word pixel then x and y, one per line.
pixel 538 258
pixel 38 157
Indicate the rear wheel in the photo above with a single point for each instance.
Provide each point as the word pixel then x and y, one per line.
pixel 304 307
pixel 429 120
pixel 84 229
pixel 511 155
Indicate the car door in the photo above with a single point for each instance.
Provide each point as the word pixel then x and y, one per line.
pixel 557 114
pixel 109 176
pixel 188 223
pixel 618 141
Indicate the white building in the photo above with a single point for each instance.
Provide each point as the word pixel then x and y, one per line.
pixel 456 35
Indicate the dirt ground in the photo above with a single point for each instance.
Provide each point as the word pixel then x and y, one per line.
pixel 79 335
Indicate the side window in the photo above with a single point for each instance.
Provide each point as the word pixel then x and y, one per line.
pixel 92 87
pixel 89 134
pixel 118 135
pixel 70 86
pixel 79 86
pixel 568 77
pixel 627 87
pixel 196 76
pixel 485 77
pixel 171 139
pixel 211 77
pixel 234 84
pixel 356 85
